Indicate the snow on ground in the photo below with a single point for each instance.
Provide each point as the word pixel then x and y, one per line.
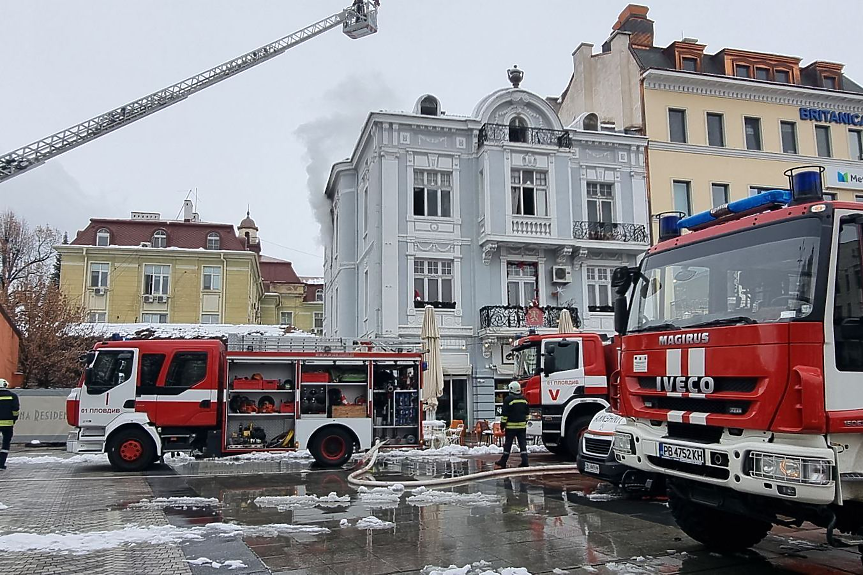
pixel 478 568
pixel 290 502
pixel 266 456
pixel 454 450
pixel 381 497
pixel 230 564
pixel 80 543
pixel 372 522
pixel 179 502
pixel 186 330
pixel 2 507
pixel 432 497
pixel 87 458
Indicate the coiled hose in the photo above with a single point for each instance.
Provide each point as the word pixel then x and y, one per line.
pixel 371 456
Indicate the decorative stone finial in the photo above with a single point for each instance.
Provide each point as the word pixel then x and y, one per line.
pixel 515 76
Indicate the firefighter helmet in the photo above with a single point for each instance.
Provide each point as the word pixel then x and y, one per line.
pixel 514 387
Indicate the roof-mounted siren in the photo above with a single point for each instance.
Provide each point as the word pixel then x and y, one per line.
pixel 668 228
pixel 361 19
pixel 806 183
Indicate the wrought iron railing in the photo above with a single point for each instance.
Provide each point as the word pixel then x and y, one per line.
pixel 636 233
pixel 497 316
pixel 500 133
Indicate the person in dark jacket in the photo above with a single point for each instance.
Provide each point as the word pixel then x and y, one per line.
pixel 9 408
pixel 513 421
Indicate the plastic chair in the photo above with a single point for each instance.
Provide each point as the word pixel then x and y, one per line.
pixel 480 430
pixel 498 434
pixel 455 433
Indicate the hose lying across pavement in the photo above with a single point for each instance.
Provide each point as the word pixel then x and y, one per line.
pixel 371 456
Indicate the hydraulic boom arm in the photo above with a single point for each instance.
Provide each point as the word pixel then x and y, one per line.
pixel 357 21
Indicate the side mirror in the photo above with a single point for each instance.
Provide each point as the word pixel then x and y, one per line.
pixel 621 279
pixel 88 376
pixel 549 364
pixel 621 314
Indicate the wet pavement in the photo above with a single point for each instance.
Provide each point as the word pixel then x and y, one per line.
pixel 546 524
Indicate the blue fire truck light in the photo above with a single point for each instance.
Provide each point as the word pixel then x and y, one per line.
pixel 806 184
pixel 703 219
pixel 668 225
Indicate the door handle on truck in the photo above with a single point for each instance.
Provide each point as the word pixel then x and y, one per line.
pixel 205 404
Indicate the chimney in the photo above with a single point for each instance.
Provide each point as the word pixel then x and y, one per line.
pixel 634 20
pixel 188 210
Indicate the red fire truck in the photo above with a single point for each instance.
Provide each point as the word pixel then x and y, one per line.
pixel 563 378
pixel 742 365
pixel 138 400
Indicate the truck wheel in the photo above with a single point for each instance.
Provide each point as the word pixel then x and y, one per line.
pixel 559 447
pixel 131 450
pixel 574 431
pixel 332 447
pixel 716 529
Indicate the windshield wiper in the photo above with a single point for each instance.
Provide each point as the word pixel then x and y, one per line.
pixel 656 327
pixel 725 321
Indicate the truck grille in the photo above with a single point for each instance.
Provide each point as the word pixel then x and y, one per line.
pixel 700 470
pixel 594 446
pixel 700 433
pixel 700 405
pixel 723 384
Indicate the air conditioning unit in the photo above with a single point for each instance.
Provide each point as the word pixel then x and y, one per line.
pixel 561 274
pixel 99 291
pixel 161 299
pixel 146 245
pixel 148 299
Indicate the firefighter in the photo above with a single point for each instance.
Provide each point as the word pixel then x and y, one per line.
pixel 513 421
pixel 9 407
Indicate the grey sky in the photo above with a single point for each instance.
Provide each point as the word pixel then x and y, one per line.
pixel 238 142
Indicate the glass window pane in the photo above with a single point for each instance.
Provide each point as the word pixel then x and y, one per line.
pixel 419 178
pixel 431 203
pixel 606 212
pixel 592 210
pixel 431 179
pixel 419 289
pixel 822 141
pixel 432 267
pixel 782 76
pixel 541 179
pixel 592 190
pixel 591 295
pixel 762 73
pixel 682 201
pixel 742 71
pixel 529 292
pixel 512 293
pixel 789 137
pixel 446 290
pixel 603 295
pixel 187 369
pixel 720 194
pixel 541 203
pixel 419 266
pixel 516 177
pixel 445 207
pixel 419 201
pixel 446 268
pixel 715 130
pixel 446 180
pixel 677 125
pixel 527 177
pixel 690 64
pixel 752 127
pixel 433 294
pixel 529 205
pixel 855 144
pixel 516 200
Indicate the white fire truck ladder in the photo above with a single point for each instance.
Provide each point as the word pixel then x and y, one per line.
pixel 357 21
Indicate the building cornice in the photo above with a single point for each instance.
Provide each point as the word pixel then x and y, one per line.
pixel 751 154
pixel 755 91
pixel 153 253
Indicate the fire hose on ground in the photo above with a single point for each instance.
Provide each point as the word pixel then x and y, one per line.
pixel 368 461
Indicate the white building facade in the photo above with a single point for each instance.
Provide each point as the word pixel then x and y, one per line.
pixel 482 217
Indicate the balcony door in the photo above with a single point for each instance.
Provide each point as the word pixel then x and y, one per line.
pixel 522 283
pixel 600 203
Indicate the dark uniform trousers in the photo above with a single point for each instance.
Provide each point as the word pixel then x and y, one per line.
pixel 514 420
pixel 9 407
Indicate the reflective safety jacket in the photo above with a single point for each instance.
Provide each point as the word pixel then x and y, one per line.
pixel 9 407
pixel 514 413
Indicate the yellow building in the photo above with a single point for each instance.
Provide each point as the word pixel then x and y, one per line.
pixel 721 126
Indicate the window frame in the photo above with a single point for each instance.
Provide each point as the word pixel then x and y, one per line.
pixel 288 314
pixel 170 373
pixel 318 322
pixel 438 277
pixel 727 193
pixel 738 66
pixel 595 287
pixel 210 316
pixel 106 272
pixel 518 127
pixel 759 135
pixel 830 78
pixel 823 128
pixel 165 287
pixel 522 280
pixel 721 116
pixel 683 114
pixel 436 191
pixel 793 125
pixel 537 190
pixel 93 317
pixel 103 233
pixel 156 313
pixel 218 241
pixel 689 59
pixel 762 69
pixel 162 236
pixel 218 276
pixel 787 73
pixel 688 188
pixel 858 135
pixel 319 294
pixel 599 202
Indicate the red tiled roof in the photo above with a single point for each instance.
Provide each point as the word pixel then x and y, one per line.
pixel 278 271
pixel 189 235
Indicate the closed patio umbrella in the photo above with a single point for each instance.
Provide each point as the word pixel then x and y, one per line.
pixel 433 376
pixel 564 324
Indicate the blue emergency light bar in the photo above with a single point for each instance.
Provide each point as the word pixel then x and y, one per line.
pixel 764 199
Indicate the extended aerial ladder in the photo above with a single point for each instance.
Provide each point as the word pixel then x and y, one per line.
pixel 357 21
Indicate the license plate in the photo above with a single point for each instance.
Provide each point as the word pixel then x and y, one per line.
pixel 591 467
pixel 682 454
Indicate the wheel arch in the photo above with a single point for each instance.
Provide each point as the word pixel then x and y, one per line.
pixel 351 433
pixel 580 407
pixel 113 430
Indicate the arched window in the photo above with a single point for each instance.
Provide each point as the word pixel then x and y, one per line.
pixel 214 242
pixel 319 294
pixel 518 130
pixel 429 106
pixel 591 123
pixel 103 237
pixel 160 239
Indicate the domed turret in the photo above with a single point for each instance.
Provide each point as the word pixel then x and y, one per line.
pixel 248 223
pixel 248 231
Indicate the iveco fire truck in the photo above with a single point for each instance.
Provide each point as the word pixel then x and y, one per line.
pixel 138 400
pixel 742 365
pixel 563 378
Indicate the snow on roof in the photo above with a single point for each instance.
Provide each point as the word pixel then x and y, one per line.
pixel 312 280
pixel 189 330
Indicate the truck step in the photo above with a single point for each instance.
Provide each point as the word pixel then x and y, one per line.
pixel 851 476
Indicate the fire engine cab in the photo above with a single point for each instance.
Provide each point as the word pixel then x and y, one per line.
pixel 139 399
pixel 742 365
pixel 563 377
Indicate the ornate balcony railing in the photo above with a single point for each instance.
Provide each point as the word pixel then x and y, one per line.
pixel 498 316
pixel 500 133
pixel 636 233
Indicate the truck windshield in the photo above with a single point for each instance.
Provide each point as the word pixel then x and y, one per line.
pixel 525 362
pixel 760 275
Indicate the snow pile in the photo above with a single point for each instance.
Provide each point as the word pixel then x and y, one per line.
pixel 454 450
pixel 628 568
pixel 77 543
pixel 289 502
pixel 265 456
pixel 3 507
pixel 381 497
pixel 188 330
pixel 230 564
pixel 478 568
pixel 432 497
pixel 344 523
pixel 35 442
pixel 86 458
pixel 179 502
pixel 372 522
pixel 608 496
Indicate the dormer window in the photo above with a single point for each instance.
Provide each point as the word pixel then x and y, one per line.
pixel 742 71
pixel 319 294
pixel 689 64
pixel 518 130
pixel 591 123
pixel 783 76
pixel 214 242
pixel 429 106
pixel 103 237
pixel 160 239
pixel 831 82
pixel 762 73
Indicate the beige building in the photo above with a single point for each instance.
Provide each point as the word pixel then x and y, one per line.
pixel 721 126
pixel 146 269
